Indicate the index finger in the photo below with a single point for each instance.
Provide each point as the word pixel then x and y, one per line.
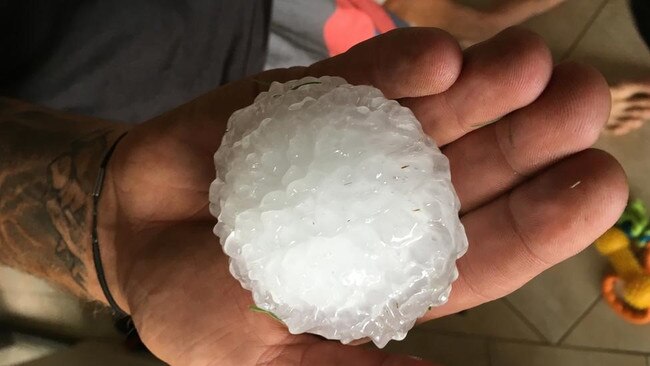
pixel 406 62
pixel 402 63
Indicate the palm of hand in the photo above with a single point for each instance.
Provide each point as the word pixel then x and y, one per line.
pixel 175 280
pixel 167 214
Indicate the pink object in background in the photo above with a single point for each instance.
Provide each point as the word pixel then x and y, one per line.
pixel 354 21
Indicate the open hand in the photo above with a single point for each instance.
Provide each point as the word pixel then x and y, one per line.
pixel 532 192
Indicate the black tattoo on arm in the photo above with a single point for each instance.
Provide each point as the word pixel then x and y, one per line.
pixel 48 164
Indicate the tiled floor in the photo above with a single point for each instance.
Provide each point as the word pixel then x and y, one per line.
pixel 557 319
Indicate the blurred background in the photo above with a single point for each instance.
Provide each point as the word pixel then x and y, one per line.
pixel 559 318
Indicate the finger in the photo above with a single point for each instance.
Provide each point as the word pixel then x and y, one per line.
pixel 498 76
pixel 565 119
pixel 326 353
pixel 544 221
pixel 402 63
pixel 406 62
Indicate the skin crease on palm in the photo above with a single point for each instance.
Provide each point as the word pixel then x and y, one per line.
pixel 532 192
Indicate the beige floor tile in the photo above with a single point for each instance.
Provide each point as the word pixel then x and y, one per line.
pixel 603 329
pixel 494 319
pixel 613 45
pixel 444 349
pixel 554 300
pixel 633 151
pixel 562 26
pixel 513 354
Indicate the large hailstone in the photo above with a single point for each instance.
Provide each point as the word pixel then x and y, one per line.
pixel 336 210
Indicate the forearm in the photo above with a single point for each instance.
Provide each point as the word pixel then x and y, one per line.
pixel 48 165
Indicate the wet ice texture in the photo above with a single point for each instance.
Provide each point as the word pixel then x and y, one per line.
pixel 336 210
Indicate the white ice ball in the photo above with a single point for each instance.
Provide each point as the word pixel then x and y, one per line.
pixel 336 210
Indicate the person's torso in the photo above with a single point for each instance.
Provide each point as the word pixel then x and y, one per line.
pixel 127 60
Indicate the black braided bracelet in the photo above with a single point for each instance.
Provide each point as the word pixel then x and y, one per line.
pixel 99 268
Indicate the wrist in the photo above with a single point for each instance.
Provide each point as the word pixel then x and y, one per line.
pixel 109 254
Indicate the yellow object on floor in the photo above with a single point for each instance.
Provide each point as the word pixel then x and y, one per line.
pixel 634 302
pixel 615 245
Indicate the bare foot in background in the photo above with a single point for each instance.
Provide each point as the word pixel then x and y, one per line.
pixel 467 24
pixel 630 107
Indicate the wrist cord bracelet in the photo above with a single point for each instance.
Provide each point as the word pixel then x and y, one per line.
pixel 99 268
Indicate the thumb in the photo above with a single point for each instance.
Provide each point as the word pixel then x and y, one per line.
pixel 326 353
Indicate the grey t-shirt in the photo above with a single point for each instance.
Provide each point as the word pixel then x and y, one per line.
pixel 296 37
pixel 298 29
pixel 127 60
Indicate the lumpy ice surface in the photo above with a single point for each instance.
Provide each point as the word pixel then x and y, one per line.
pixel 336 210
